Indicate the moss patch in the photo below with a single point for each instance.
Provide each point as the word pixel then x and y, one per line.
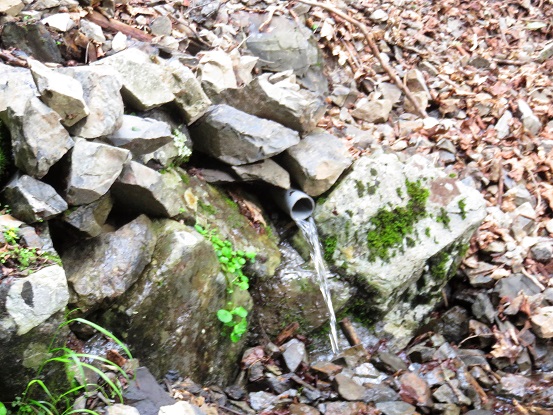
pixel 360 188
pixel 462 207
pixel 390 227
pixel 438 265
pixel 443 218
pixel 329 245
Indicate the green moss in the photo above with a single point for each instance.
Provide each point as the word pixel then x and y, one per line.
pixel 443 218
pixel 231 202
pixel 360 188
pixel 427 232
pixel 462 207
pixel 399 192
pixel 374 172
pixel 438 265
pixel 349 213
pixel 207 208
pixel 329 245
pixel 321 200
pixel 390 227
pixel 371 189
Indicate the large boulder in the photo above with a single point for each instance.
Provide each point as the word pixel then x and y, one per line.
pixel 89 219
pixel 399 230
pixel 281 100
pixel 140 135
pixel 238 138
pixel 103 268
pixel 173 306
pixel 17 87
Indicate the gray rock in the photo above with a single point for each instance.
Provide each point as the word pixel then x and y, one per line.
pixel 317 162
pixel 180 408
pixel 294 353
pixel 103 268
pixel 514 386
pixel 101 93
pixel 348 388
pixel 90 219
pixel 502 126
pixel 376 111
pixel 542 322
pixel 345 408
pixel 515 284
pixel 32 300
pixel 389 362
pixel 483 308
pixel 17 87
pixel 161 26
pixel 94 167
pixel 62 22
pixel 11 7
pixel 302 409
pixel 379 16
pixel 530 121
pixel 542 251
pixel 217 73
pixel 343 96
pixel 190 98
pixel 283 45
pixel 453 324
pixel 140 135
pixel 32 200
pixel 266 170
pixel 143 190
pixel 395 408
pixel 145 394
pixel 422 100
pixel 60 92
pixel 38 138
pixel 280 101
pixel 390 92
pixel 414 79
pixel 92 31
pixel 173 305
pixel 33 39
pixel 379 393
pixel 295 283
pixel 145 84
pixel 261 400
pixel 238 138
pixel 367 206
pixel 546 52
pixel 415 389
pixel 120 409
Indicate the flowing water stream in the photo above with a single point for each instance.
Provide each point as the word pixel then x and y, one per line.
pixel 309 231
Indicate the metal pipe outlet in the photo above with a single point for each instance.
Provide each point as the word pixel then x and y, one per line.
pixel 294 202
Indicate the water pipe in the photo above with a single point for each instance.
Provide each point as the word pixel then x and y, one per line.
pixel 294 202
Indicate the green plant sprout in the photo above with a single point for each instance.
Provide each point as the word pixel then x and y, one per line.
pixel 231 261
pixel 24 257
pixel 235 318
pixel 75 366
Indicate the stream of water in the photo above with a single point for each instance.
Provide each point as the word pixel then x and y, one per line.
pixel 309 231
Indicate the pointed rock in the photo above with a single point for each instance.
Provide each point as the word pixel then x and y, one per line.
pixel 348 388
pixel 89 219
pixel 93 169
pixel 144 190
pixel 294 353
pixel 101 94
pixel 32 200
pixel 317 162
pixel 38 138
pixel 60 92
pixel 17 87
pixel 141 135
pixel 238 138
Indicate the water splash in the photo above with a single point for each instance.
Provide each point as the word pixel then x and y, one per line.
pixel 309 231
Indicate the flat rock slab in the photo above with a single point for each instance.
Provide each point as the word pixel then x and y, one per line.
pixel 145 83
pixel 89 219
pixel 267 170
pixel 317 162
pixel 385 210
pixel 103 268
pixel 238 138
pixel 32 200
pixel 94 167
pixel 140 135
pixel 101 88
pixel 38 138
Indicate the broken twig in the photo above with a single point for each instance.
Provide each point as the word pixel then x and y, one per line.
pixel 374 49
pixel 349 332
